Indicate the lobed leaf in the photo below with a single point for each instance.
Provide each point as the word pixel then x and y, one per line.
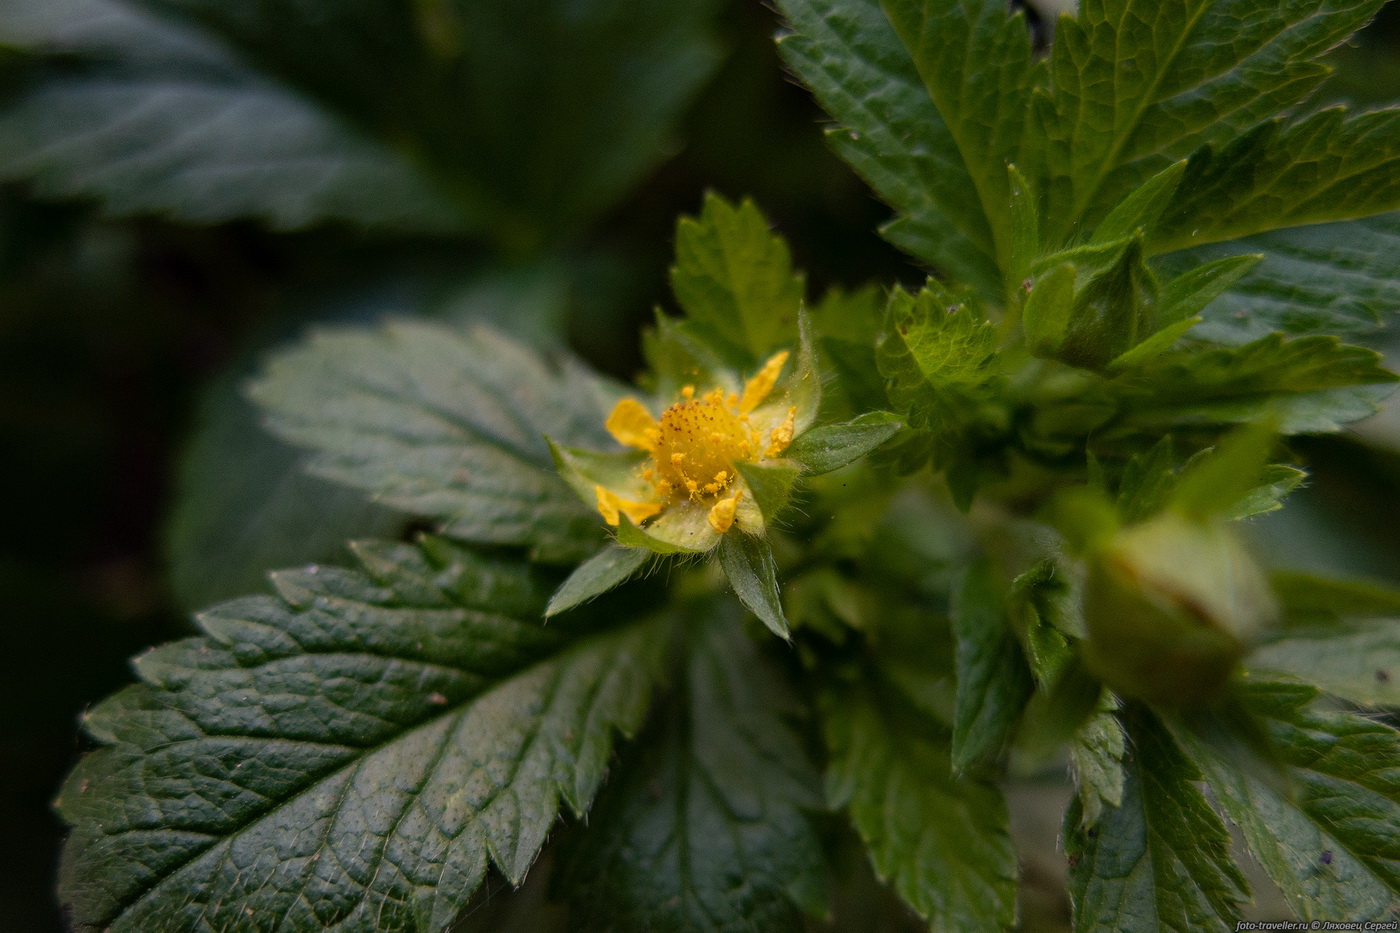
pixel 445 425
pixel 1161 859
pixel 350 755
pixel 941 841
pixel 1328 842
pixel 707 826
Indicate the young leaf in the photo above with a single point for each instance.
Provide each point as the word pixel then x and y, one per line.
pixel 352 753
pixel 975 60
pixel 1140 210
pixel 734 279
pixel 610 567
pixel 833 446
pixel 1160 860
pixel 1111 125
pixel 1330 845
pixel 706 826
pixel 748 563
pixel 993 679
pixel 847 52
pixel 941 841
pixel 444 425
pixel 940 352
pixel 1096 754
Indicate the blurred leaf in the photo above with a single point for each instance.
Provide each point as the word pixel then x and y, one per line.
pixel 1356 660
pixel 351 753
pixel 1330 844
pixel 941 841
pixel 1307 599
pixel 1111 127
pixel 892 133
pixel 706 826
pixel 994 682
pixel 447 426
pixel 1159 861
pixel 521 120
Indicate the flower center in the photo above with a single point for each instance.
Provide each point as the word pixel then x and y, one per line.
pixel 698 441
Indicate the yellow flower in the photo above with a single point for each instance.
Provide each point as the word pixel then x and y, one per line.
pixel 695 446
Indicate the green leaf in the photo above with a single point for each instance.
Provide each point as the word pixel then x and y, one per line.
pixel 748 563
pixel 1356 660
pixel 833 446
pixel 976 61
pixel 1140 84
pixel 1159 861
pixel 706 827
pixel 610 567
pixel 1327 167
pixel 1338 279
pixel 1096 754
pixel 1140 210
pixel 939 353
pixel 941 841
pixel 847 52
pixel 1307 599
pixel 1311 384
pixel 1187 295
pixel 479 118
pixel 1216 481
pixel 1048 309
pixel 1330 845
pixel 445 425
pixel 734 279
pixel 994 682
pixel 353 753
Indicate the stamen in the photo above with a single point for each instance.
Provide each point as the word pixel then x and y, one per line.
pixel 721 515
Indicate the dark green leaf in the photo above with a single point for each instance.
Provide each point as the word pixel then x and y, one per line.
pixel 993 679
pixel 1159 861
pixel 734 279
pixel 447 426
pixel 847 52
pixel 1140 84
pixel 1327 167
pixel 706 826
pixel 976 61
pixel 351 754
pixel 1335 279
pixel 833 446
pixel 1311 384
pixel 748 563
pixel 610 567
pixel 942 842
pixel 1331 844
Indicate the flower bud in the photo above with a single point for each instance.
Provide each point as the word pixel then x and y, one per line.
pixel 1170 606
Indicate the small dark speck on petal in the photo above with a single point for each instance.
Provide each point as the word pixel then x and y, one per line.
pixel 1326 857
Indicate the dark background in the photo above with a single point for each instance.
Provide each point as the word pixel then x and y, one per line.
pixel 111 329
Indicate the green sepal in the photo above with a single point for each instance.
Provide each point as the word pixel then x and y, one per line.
pixel 610 567
pixel 1153 346
pixel 1140 211
pixel 1113 308
pixel 668 538
pixel 676 356
pixel 1046 314
pixel 1188 294
pixel 769 488
pixel 1215 483
pixel 748 563
pixel 833 446
pixel 618 472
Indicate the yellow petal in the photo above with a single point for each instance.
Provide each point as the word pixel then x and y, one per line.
pixel 757 388
pixel 722 512
pixel 632 425
pixel 781 437
pixel 612 507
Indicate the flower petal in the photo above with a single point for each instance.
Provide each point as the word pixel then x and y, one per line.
pixel 612 506
pixel 757 388
pixel 632 425
pixel 721 515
